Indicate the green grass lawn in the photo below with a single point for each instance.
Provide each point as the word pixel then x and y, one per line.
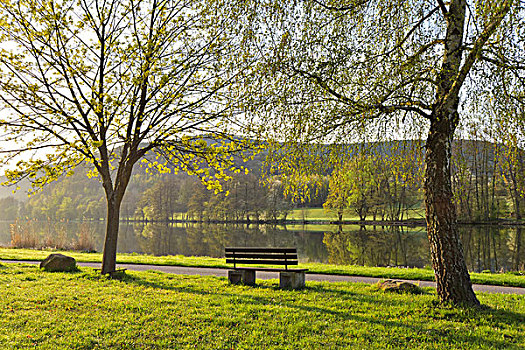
pixel 150 310
pixel 501 279
pixel 300 227
pixel 319 214
pixel 316 214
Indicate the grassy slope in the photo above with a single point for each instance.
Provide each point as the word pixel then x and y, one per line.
pixel 151 310
pixel 506 279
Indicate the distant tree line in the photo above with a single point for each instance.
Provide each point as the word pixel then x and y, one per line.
pixel 384 183
pixel 156 198
pixel 244 198
pixel 385 187
pixel 488 183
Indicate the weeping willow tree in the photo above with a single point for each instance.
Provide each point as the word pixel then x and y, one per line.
pixel 109 82
pixel 509 120
pixel 366 70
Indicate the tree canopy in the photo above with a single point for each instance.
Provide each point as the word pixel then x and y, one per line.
pixel 108 82
pixel 346 71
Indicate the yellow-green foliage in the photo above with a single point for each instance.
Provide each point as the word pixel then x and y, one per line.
pixel 110 83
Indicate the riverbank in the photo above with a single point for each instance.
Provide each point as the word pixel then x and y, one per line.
pixel 515 279
pixel 147 310
pixel 323 222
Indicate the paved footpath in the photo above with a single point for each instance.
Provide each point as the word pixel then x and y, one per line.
pixel 205 271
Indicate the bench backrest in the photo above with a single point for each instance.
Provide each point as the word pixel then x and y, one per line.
pixel 261 256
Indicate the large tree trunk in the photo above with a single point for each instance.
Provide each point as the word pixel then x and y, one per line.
pixel 114 196
pixel 109 256
pixel 446 251
pixel 452 277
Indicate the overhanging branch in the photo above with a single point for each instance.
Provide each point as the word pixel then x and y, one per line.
pixel 354 6
pixel 443 7
pixel 477 48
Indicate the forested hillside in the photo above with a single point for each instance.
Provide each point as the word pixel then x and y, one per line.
pixel 382 183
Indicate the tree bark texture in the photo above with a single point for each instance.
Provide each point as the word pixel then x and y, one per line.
pixel 446 251
pixel 109 256
pixel 452 277
pixel 114 196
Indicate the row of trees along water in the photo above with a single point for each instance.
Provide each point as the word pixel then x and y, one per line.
pixel 381 182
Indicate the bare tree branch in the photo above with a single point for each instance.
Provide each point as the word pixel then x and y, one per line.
pixel 355 5
pixel 478 46
pixel 443 7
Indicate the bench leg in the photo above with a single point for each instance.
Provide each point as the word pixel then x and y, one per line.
pixel 291 279
pixel 246 277
pixel 249 277
pixel 235 276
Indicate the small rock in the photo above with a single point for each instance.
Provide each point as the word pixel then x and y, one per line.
pixel 59 263
pixel 399 287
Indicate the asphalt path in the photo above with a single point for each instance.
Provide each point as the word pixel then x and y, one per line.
pixel 205 271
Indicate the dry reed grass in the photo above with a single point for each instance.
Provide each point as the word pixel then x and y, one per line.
pixel 35 234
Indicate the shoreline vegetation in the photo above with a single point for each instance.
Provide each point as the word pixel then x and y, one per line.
pixel 511 279
pixel 409 222
pixel 295 222
pixel 321 216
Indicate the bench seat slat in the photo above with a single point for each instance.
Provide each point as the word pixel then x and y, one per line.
pixel 269 269
pixel 261 261
pixel 261 256
pixel 259 250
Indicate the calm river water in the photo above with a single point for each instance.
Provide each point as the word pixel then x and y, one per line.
pixel 492 248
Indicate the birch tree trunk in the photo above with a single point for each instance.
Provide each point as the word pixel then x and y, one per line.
pixel 452 277
pixel 446 251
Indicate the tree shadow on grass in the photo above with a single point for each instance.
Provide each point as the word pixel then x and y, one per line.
pixel 498 317
pixel 237 295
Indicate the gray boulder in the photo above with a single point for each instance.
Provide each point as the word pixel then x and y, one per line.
pixel 59 263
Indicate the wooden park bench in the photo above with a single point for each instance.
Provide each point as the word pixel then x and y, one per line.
pixel 288 278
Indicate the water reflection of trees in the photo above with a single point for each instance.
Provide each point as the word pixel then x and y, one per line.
pixel 486 247
pixel 493 248
pixel 210 239
pixel 377 246
pixel 519 251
